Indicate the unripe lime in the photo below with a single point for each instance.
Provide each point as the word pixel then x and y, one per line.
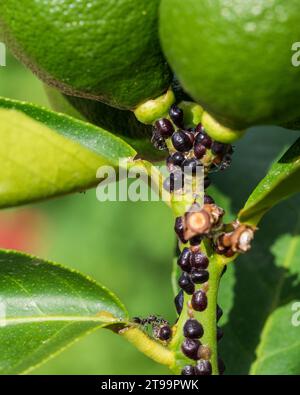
pixel 98 49
pixel 235 57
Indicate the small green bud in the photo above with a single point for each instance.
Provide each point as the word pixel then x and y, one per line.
pixel 152 110
pixel 192 113
pixel 219 132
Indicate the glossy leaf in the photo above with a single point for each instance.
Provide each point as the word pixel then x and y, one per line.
pixel 45 307
pixel 279 347
pixel 281 181
pixel 44 154
pixel 122 123
pixel 260 292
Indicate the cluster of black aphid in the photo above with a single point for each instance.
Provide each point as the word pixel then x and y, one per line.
pixel 190 148
pixel 194 265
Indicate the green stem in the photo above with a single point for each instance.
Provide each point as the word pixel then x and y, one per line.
pixel 207 318
pixel 154 350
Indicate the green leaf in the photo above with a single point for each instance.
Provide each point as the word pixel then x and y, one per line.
pixel 45 307
pixel 122 123
pixel 44 154
pixel 259 291
pixel 279 346
pixel 281 182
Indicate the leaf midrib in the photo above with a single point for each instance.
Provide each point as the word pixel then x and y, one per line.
pixel 28 320
pixel 275 301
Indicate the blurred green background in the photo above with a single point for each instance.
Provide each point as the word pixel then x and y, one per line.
pixel 127 247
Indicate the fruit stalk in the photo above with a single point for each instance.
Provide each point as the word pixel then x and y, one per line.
pixel 148 346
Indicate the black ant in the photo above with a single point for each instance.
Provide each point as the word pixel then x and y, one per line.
pixel 152 320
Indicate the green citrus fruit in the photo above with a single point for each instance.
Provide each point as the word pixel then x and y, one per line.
pixel 235 57
pixel 106 50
